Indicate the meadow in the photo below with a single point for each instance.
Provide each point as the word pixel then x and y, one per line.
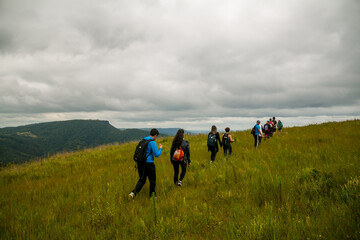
pixel 303 184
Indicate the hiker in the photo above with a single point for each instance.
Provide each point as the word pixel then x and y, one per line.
pixel 258 134
pixel 280 127
pixel 226 142
pixel 271 127
pixel 213 143
pixel 147 169
pixel 274 126
pixel 180 156
pixel 266 130
pixel 261 133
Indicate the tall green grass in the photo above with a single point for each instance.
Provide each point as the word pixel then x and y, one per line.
pixel 303 184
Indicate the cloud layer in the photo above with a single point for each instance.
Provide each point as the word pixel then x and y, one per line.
pixel 178 61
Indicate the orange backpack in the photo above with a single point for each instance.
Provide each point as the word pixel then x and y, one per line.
pixel 178 155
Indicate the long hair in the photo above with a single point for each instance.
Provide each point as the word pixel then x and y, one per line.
pixel 213 129
pixel 178 138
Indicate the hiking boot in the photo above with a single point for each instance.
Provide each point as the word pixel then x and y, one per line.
pixel 179 183
pixel 131 196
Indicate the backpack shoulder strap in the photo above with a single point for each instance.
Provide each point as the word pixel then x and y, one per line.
pixel 148 141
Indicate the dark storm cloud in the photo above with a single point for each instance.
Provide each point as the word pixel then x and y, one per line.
pixel 135 61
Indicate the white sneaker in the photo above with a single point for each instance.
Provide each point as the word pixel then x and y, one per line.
pixel 131 196
pixel 179 183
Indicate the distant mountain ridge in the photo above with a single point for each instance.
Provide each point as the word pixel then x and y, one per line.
pixel 20 144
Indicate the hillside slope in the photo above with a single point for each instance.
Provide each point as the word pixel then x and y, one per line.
pixel 20 144
pixel 301 185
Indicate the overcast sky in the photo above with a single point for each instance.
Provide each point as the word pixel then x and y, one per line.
pixel 184 63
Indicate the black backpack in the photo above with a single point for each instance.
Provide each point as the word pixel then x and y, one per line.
pixel 253 130
pixel 140 151
pixel 211 140
pixel 226 140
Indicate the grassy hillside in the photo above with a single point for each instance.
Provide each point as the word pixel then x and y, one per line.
pixel 301 185
pixel 20 144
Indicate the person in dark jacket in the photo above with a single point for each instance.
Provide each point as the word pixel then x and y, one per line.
pixel 274 126
pixel 213 143
pixel 183 161
pixel 267 130
pixel 226 142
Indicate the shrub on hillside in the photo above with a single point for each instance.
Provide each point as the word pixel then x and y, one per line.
pixel 351 190
pixel 350 194
pixel 312 183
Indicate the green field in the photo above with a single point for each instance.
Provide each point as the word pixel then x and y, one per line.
pixel 301 185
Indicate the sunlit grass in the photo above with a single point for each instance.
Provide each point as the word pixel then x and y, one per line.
pixel 303 184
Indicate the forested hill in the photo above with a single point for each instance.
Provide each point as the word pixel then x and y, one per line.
pixel 20 144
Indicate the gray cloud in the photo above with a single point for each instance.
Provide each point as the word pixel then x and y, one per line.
pixel 178 61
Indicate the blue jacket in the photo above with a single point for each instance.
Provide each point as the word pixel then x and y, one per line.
pixel 152 150
pixel 257 130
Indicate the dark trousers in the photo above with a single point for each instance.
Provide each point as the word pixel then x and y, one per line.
pixel 267 134
pixel 176 170
pixel 226 148
pixel 146 170
pixel 257 139
pixel 140 168
pixel 213 151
